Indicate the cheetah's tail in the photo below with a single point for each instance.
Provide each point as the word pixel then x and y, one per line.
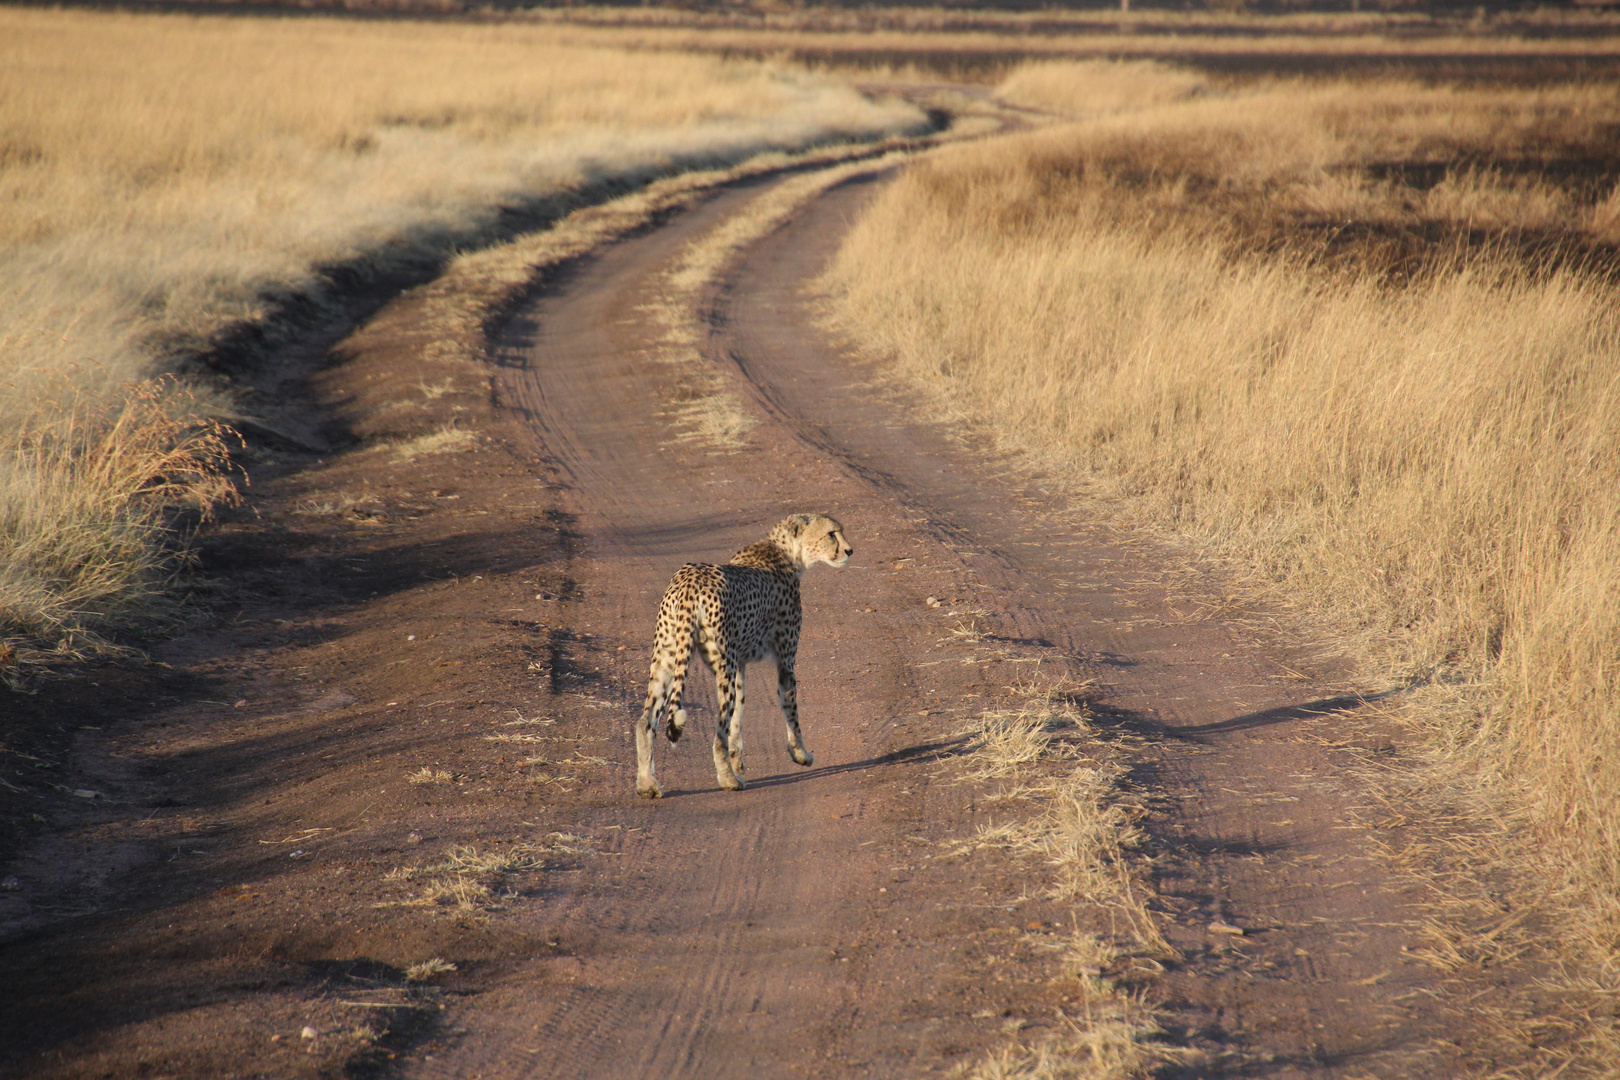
pixel 666 682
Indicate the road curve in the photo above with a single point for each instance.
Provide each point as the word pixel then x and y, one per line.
pixel 807 926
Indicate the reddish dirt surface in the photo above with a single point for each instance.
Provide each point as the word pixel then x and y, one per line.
pixel 244 891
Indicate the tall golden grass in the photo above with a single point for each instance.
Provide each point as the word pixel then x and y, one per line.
pixel 91 489
pixel 164 175
pixel 167 180
pixel 1363 337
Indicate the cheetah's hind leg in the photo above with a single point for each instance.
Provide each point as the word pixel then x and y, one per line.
pixel 663 689
pixel 728 736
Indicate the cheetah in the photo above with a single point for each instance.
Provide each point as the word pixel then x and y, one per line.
pixel 743 611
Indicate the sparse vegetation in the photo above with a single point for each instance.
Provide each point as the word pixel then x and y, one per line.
pixel 707 410
pixel 428 969
pixel 428 775
pixel 447 439
pixel 1360 336
pixel 471 880
pixel 1068 810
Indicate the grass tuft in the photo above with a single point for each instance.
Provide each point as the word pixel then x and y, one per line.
pixel 426 775
pixel 91 492
pixel 447 439
pixel 474 881
pixel 1069 811
pixel 428 970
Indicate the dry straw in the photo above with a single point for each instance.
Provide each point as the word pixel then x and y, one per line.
pixel 1068 810
pixel 90 493
pixel 166 176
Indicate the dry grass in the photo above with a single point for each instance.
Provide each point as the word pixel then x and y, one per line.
pixel 1099 87
pixel 447 439
pixel 168 175
pixel 428 775
pixel 930 42
pixel 428 969
pixel 90 494
pixel 474 881
pixel 167 181
pixel 706 408
pixel 1363 337
pixel 1103 1043
pixel 1007 741
pixel 1068 811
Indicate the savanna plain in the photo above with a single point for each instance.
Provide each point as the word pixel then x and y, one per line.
pixel 1322 309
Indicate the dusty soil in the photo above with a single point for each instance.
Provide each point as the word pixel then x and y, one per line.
pixel 404 736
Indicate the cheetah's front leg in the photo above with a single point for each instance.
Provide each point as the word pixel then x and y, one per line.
pixel 646 784
pixel 787 692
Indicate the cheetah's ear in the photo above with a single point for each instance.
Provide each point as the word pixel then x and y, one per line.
pixel 799 522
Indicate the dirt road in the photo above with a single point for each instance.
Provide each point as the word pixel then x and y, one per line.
pixel 748 936
pixel 428 685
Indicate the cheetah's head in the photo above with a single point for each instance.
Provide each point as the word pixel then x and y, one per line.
pixel 812 538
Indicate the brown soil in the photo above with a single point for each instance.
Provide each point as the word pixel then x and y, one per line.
pixel 253 874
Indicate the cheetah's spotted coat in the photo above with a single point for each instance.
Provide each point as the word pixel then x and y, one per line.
pixel 735 614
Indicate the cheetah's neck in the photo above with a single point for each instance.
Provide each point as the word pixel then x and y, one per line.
pixel 766 555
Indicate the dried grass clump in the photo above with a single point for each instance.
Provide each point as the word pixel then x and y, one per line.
pixel 1107 1043
pixel 446 439
pixel 1078 822
pixel 1004 741
pixel 428 969
pixel 1321 327
pixel 91 492
pixel 1069 812
pixel 471 880
pixel 428 775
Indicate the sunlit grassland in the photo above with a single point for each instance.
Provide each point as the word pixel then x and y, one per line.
pixel 164 174
pixel 1361 338
pixel 983 45
pixel 166 181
